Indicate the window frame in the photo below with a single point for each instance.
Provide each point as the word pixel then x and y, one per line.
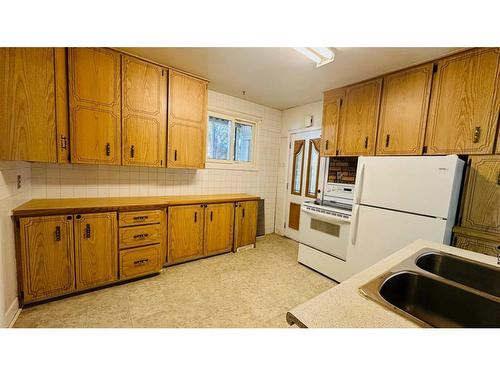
pixel 234 117
pixel 315 142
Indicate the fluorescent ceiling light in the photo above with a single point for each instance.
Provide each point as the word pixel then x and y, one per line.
pixel 320 55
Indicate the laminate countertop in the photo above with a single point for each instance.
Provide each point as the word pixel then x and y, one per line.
pixel 343 306
pixel 79 205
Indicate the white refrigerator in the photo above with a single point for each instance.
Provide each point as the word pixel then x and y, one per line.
pixel 398 200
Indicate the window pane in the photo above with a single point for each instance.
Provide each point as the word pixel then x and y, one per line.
pixel 313 169
pixel 219 135
pixel 298 157
pixel 243 142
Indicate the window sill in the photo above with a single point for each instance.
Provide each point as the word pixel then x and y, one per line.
pixel 231 166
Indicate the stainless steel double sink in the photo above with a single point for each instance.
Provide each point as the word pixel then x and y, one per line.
pixel 437 289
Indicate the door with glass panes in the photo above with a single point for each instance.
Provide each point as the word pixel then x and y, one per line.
pixel 305 171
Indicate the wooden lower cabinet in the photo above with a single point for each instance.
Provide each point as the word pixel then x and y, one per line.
pixel 219 219
pixel 480 244
pixel 245 223
pixel 96 249
pixel 47 266
pixel 185 233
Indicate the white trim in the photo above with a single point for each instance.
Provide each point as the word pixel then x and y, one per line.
pixel 295 131
pixel 12 313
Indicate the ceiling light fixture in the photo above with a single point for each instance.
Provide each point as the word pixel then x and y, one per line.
pixel 320 55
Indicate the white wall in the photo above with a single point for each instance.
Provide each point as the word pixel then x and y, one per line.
pixel 10 197
pixel 292 120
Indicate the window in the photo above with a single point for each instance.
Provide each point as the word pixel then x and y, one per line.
pixel 230 141
pixel 298 161
pixel 313 169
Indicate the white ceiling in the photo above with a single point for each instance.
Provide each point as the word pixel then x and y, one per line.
pixel 282 77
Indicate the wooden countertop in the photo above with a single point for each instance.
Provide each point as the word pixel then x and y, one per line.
pixel 80 205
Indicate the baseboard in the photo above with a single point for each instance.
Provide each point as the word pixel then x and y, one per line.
pixel 12 313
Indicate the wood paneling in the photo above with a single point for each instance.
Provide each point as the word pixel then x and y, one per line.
pixel 332 103
pixel 477 244
pixel 47 257
pixel 294 216
pixel 245 222
pixel 95 105
pixel 139 217
pixel 219 219
pixel 140 235
pixel 465 103
pixel 27 104
pixel 358 120
pixel 185 233
pixel 96 249
pixel 144 113
pixel 141 261
pixel 187 121
pixel 62 109
pixel 403 111
pixel 482 197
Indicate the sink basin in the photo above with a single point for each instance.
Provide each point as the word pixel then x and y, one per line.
pixel 472 274
pixel 439 304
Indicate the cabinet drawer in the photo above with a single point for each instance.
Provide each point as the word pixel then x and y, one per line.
pixel 140 235
pixel 479 245
pixel 141 261
pixel 139 217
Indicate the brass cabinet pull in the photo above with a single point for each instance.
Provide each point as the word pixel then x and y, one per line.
pixel 141 236
pixel 64 142
pixel 366 142
pixel 108 149
pixel 387 139
pixel 132 151
pixel 87 231
pixel 140 217
pixel 141 262
pixel 58 233
pixel 477 134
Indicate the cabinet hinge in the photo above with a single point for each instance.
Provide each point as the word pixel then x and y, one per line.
pixel 424 150
pixel 434 68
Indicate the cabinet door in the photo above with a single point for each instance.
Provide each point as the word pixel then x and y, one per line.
pixel 95 249
pixel 185 233
pixel 403 111
pixel 332 102
pixel 358 119
pixel 144 113
pixel 47 256
pixel 27 104
pixel 464 103
pixel 245 223
pixel 219 219
pixel 95 105
pixel 187 121
pixel 482 198
pixel 479 245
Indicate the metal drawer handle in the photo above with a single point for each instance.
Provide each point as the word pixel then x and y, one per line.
pixel 64 142
pixel 108 149
pixel 58 233
pixel 132 151
pixel 366 142
pixel 87 231
pixel 140 217
pixel 141 262
pixel 141 235
pixel 387 140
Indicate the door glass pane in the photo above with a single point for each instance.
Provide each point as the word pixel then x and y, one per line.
pixel 298 157
pixel 313 168
pixel 243 142
pixel 219 138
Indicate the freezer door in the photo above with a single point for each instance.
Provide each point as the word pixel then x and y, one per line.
pixel 426 185
pixel 377 233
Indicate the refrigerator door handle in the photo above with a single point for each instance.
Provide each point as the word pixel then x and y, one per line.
pixel 354 224
pixel 359 184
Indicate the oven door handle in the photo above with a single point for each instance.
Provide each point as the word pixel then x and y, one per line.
pixel 354 223
pixel 325 217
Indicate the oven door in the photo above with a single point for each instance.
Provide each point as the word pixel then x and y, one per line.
pixel 323 233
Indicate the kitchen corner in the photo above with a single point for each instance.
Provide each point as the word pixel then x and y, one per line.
pixel 344 306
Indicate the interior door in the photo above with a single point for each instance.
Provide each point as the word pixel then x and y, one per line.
pixel 47 256
pixel 219 219
pixel 96 249
pixel 305 171
pixel 144 113
pixel 185 232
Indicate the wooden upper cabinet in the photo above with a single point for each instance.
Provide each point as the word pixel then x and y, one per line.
pixel 482 197
pixel 185 232
pixel 465 103
pixel 96 249
pixel 27 104
pixel 245 221
pixel 95 105
pixel 144 113
pixel 332 102
pixel 219 219
pixel 47 256
pixel 403 111
pixel 358 119
pixel 187 121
